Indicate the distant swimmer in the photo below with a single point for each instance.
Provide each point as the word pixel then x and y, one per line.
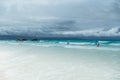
pixel 68 43
pixel 98 45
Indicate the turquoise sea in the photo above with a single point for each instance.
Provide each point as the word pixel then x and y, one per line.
pixel 69 43
pixel 59 60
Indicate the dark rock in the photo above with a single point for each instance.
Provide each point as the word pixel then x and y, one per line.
pixel 22 39
pixel 35 39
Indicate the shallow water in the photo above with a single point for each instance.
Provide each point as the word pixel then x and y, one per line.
pixel 58 61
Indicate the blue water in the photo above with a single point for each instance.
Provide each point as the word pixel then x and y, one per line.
pixel 72 43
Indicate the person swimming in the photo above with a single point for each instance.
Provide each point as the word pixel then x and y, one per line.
pixel 98 44
pixel 68 43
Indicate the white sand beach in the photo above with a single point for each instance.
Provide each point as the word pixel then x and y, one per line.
pixel 30 62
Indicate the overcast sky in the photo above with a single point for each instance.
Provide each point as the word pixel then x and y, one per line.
pixel 60 17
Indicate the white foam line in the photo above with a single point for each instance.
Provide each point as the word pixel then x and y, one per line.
pixel 93 47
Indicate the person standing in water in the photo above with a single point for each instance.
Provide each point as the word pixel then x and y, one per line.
pixel 98 44
pixel 68 43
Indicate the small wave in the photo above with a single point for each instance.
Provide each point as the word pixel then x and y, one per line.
pixel 105 45
pixel 93 48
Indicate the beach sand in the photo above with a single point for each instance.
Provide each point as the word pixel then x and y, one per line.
pixel 31 62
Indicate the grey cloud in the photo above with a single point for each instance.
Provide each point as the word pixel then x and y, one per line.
pixel 50 17
pixel 116 9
